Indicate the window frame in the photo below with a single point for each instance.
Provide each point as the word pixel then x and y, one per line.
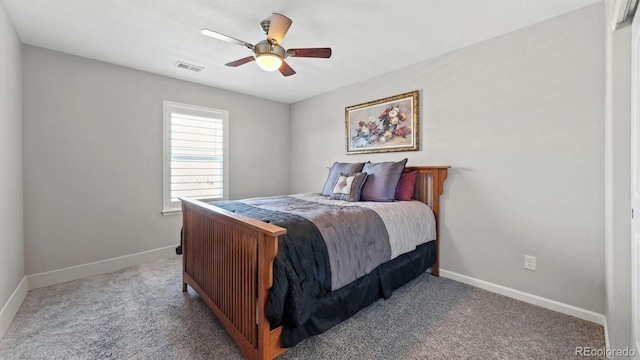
pixel 169 107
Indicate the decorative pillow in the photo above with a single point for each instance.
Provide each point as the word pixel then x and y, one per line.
pixel 382 180
pixel 348 187
pixel 406 185
pixel 336 170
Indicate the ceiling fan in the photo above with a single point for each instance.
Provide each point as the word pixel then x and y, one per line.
pixel 269 54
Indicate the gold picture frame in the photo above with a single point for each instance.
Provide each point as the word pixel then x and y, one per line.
pixel 384 125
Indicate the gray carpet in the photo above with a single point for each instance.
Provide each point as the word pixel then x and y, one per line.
pixel 141 313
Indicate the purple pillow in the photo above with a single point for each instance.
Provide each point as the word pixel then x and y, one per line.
pixel 334 173
pixel 406 185
pixel 382 180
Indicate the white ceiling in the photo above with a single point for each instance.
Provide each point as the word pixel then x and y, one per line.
pixel 368 37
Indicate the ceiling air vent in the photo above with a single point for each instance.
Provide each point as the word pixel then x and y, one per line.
pixel 186 66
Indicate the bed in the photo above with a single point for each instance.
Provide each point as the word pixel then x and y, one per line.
pixel 232 261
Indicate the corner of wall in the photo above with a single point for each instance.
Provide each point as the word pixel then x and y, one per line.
pixel 12 271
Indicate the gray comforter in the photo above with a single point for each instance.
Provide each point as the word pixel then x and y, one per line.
pixel 356 238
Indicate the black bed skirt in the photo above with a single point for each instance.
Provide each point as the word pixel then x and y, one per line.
pixel 343 303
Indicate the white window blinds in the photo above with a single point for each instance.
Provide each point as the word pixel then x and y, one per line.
pixel 195 154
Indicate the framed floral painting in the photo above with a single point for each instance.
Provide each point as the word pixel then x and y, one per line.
pixel 385 125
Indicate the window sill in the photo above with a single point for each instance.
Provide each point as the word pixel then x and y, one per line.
pixel 170 212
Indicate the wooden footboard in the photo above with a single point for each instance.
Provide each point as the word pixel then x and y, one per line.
pixel 228 261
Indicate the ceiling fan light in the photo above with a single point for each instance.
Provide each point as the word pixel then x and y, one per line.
pixel 269 62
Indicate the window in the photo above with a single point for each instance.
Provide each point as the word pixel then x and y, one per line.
pixel 195 154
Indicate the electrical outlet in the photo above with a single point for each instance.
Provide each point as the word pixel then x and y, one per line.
pixel 530 262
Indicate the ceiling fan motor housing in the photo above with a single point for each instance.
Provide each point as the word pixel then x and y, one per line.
pixel 264 47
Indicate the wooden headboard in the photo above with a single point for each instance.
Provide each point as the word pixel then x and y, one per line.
pixel 429 187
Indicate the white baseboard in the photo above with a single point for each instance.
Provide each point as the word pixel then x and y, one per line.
pixel 48 278
pixel 606 334
pixel 99 267
pixel 10 309
pixel 528 298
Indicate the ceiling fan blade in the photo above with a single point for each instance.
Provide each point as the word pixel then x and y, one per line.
pixel 223 37
pixel 278 28
pixel 241 61
pixel 310 52
pixel 286 70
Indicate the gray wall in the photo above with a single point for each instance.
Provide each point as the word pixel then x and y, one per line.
pixel 11 201
pixel 618 184
pixel 520 120
pixel 93 156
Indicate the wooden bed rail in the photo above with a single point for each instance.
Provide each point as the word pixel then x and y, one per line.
pixel 228 260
